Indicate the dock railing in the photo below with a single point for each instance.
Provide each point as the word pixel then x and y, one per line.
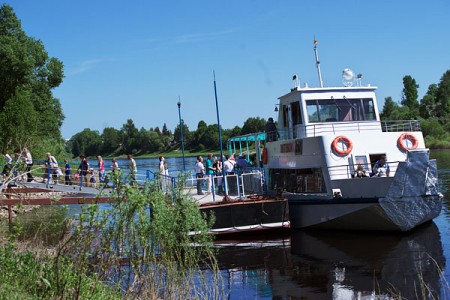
pixel 240 183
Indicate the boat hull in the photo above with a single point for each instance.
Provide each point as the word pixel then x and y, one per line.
pixel 411 198
pixel 365 214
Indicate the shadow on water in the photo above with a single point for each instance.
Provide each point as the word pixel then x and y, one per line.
pixel 335 265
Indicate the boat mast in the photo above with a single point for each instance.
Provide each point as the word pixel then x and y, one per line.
pixel 318 63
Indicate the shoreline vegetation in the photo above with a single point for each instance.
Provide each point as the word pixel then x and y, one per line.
pixel 139 248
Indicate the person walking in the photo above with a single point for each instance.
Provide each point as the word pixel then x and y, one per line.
pixel 84 168
pixel 67 179
pixel 199 170
pixel 101 169
pixel 133 169
pixel 209 170
pixel 28 162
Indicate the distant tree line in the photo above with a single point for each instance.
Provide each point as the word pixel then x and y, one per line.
pixel 433 110
pixel 131 140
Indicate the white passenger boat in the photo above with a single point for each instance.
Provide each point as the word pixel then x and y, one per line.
pixel 324 134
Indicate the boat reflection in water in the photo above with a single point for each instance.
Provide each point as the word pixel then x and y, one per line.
pixel 336 265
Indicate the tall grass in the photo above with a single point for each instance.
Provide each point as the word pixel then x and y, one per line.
pixel 139 246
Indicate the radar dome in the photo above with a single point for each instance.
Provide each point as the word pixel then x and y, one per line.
pixel 347 77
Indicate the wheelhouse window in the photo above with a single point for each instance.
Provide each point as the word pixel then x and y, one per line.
pixel 308 180
pixel 340 110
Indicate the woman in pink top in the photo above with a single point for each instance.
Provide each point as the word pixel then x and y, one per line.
pixel 101 169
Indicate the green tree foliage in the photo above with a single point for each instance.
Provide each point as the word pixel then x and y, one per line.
pixel 112 140
pixel 253 125
pixel 433 110
pixel 410 96
pixel 19 118
pixel 27 77
pixel 130 134
pixel 187 135
pixel 389 107
pixel 442 111
pixel 88 142
pixel 165 131
pixel 427 107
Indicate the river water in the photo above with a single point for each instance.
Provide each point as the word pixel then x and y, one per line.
pixel 337 264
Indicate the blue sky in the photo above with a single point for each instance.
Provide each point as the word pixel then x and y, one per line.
pixel 133 59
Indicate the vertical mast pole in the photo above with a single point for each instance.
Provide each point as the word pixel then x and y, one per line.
pixel 318 63
pixel 220 133
pixel 181 133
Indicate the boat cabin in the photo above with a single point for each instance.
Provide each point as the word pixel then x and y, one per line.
pixel 307 112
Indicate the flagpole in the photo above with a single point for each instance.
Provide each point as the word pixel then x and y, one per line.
pixel 220 134
pixel 181 133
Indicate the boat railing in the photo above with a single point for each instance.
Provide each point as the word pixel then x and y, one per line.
pixel 318 129
pixel 400 125
pixel 348 171
pixel 311 130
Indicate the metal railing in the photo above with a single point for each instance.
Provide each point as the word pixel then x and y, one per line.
pixel 318 129
pixel 400 125
pixel 348 171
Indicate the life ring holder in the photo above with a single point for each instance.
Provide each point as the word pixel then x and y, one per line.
pixel 340 150
pixel 265 156
pixel 402 142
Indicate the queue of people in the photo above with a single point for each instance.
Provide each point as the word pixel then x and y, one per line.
pixel 52 170
pixel 211 168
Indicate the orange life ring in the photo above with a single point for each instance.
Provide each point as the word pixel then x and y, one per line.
pixel 265 156
pixel 340 150
pixel 402 141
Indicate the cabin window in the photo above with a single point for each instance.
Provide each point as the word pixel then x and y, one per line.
pixel 340 110
pixel 308 180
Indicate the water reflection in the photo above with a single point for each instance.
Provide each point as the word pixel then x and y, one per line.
pixel 334 265
pixel 361 264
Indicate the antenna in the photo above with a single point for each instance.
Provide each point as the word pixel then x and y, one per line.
pixel 296 82
pixel 318 63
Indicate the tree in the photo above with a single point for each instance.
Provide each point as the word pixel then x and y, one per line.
pixel 410 96
pixel 18 120
pixel 88 142
pixel 442 111
pixel 129 133
pixel 253 125
pixel 165 131
pixel 389 108
pixel 427 107
pixel 187 136
pixel 112 139
pixel 26 70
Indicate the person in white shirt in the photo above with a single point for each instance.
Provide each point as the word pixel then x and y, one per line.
pixel 228 169
pixel 199 170
pixel 133 169
pixel 29 162
pixel 161 165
